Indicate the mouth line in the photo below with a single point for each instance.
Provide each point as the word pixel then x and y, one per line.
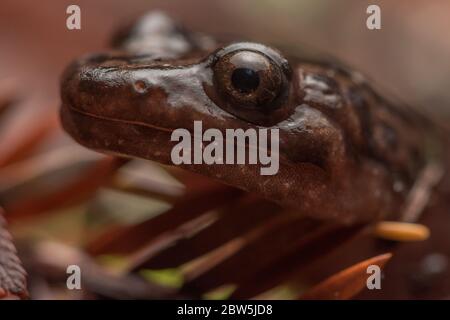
pixel 130 122
pixel 70 108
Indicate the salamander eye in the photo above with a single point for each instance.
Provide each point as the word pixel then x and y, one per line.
pixel 248 79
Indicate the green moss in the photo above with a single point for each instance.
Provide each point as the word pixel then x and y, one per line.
pixel 220 293
pixel 167 277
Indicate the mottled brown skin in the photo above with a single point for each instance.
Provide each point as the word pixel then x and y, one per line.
pixel 345 153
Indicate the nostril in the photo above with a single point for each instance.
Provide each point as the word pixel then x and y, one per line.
pixel 140 86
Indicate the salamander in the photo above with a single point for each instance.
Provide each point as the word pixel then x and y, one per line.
pixel 347 153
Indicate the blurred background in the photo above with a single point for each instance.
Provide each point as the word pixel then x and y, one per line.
pixel 64 203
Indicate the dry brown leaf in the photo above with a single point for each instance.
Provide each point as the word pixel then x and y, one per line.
pixel 130 239
pixel 250 212
pixel 262 246
pixel 71 193
pixel 347 283
pixel 8 90
pixel 12 274
pixel 309 248
pixel 50 260
pixel 17 143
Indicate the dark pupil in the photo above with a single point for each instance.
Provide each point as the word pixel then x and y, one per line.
pixel 245 80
